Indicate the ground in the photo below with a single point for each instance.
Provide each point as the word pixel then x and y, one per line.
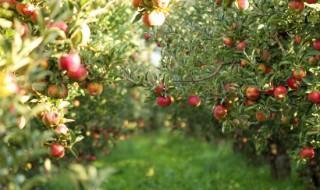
pixel 171 161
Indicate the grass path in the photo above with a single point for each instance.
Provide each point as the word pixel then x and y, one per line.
pixel 163 161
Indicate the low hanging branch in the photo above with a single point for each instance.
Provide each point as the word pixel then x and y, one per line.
pixel 201 79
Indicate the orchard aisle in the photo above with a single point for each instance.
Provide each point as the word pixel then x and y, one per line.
pixel 162 161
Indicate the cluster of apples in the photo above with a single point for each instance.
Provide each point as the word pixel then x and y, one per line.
pixel 164 100
pixel 153 11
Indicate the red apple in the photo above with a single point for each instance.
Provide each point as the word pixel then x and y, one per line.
pixel 218 2
pixel 296 5
pixel 136 3
pixel 51 118
pixel 260 116
pixel 252 93
pixel 194 101
pixel 57 91
pixel 79 75
pixel 219 112
pixel 299 73
pixel 164 101
pixel 147 36
pixel 241 46
pixel 314 97
pixel 316 44
pixel 95 89
pixel 159 89
pixel 25 9
pixel 59 25
pixel 57 150
pixel 227 41
pixel 242 4
pixel 154 18
pixel 70 62
pixel 280 92
pixel 293 83
pixel 297 39
pixel 307 152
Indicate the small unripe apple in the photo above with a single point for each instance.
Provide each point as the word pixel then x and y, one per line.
pixel 194 101
pixel 95 89
pixel 252 93
pixel 70 62
pixel 154 18
pixel 61 129
pixel 219 112
pixel 280 92
pixel 80 74
pixel 57 150
pixel 314 97
pixel 307 152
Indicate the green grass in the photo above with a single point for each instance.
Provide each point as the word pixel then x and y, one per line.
pixel 163 161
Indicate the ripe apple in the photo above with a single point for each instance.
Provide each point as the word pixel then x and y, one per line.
pixel 296 5
pixel 297 39
pixel 249 102
pixel 293 83
pixel 136 3
pixel 159 89
pixel 164 101
pixel 252 93
pixel 299 73
pixel 219 112
pixel 80 74
pixel 218 2
pixel 57 150
pixel 25 9
pixel 154 18
pixel 57 91
pixel 51 118
pixel 59 25
pixel 95 89
pixel 260 116
pixel 161 3
pixel 243 62
pixel 307 152
pixel 61 129
pixel 280 92
pixel 147 36
pixel 314 97
pixel 70 62
pixel 227 41
pixel 34 17
pixel 194 101
pixel 316 44
pixel 242 4
pixel 262 68
pixel 241 46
